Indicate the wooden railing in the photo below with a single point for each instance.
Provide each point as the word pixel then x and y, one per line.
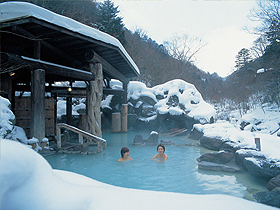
pixel 101 143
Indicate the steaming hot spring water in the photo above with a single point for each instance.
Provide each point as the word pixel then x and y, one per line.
pixel 178 174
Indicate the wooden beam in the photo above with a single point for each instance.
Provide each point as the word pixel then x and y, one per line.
pixel 23 32
pixel 37 49
pixel 62 70
pixel 50 68
pixel 76 91
pixel 92 56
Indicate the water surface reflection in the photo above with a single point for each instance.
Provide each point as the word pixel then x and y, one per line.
pixel 178 174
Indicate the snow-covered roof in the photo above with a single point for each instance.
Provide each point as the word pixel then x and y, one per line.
pixel 11 11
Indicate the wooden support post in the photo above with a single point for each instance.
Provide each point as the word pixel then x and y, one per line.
pixel 69 110
pixel 55 111
pixel 124 97
pixel 124 118
pixel 37 49
pixel 104 145
pixel 37 115
pixel 58 137
pixel 81 141
pixel 99 146
pixel 116 122
pixel 13 103
pixel 94 97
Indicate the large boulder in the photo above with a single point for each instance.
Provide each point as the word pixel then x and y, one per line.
pixel 147 111
pixel 271 198
pixel 213 143
pixel 263 168
pixel 218 157
pixel 230 146
pixel 148 100
pixel 219 167
pixel 241 154
pixel 195 133
pixel 168 121
pixel 273 183
pixel 153 138
pixel 138 140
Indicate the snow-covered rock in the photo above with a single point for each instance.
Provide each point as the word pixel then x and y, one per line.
pixel 260 167
pixel 7 118
pixel 175 97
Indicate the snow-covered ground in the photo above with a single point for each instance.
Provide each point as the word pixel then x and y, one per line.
pixel 263 123
pixel 29 183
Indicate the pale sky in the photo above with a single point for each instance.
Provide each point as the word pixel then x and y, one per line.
pixel 219 23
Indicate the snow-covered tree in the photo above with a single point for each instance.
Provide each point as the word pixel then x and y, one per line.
pixel 108 20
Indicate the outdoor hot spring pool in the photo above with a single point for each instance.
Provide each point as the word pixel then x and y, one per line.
pixel 178 174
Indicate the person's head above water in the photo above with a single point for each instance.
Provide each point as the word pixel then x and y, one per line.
pixel 160 157
pixel 124 150
pixel 161 145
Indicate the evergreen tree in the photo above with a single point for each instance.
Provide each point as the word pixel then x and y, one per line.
pixel 243 57
pixel 108 20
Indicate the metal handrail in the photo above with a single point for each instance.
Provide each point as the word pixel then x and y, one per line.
pixel 100 141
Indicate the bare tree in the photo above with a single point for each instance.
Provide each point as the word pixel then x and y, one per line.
pixel 259 47
pixel 184 47
pixel 267 13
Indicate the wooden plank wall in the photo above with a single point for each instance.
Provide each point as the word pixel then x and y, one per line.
pixel 22 113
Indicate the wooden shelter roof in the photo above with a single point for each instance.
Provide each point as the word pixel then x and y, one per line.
pixel 63 43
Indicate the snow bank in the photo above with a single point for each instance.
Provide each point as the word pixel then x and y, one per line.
pixel 264 120
pixel 29 183
pixel 7 117
pixel 17 134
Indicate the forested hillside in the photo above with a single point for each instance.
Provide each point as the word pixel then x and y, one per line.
pixel 161 63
